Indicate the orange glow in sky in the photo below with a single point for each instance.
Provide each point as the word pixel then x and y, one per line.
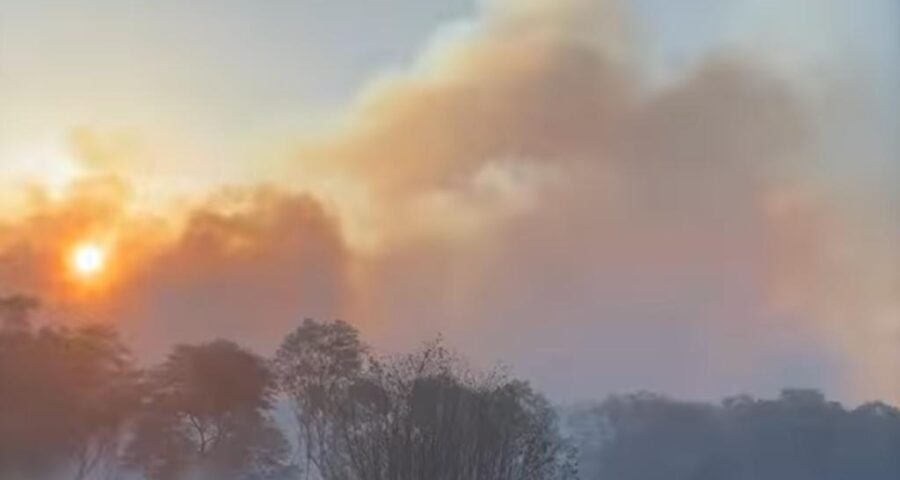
pixel 88 260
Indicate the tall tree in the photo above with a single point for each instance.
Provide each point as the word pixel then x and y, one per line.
pixel 66 396
pixel 422 415
pixel 316 366
pixel 207 411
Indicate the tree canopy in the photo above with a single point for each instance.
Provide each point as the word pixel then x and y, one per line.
pixel 326 406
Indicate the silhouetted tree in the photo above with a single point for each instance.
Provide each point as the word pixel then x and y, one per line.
pixel 72 403
pixel 316 367
pixel 65 397
pixel 422 415
pixel 207 411
pixel 798 436
pixel 648 437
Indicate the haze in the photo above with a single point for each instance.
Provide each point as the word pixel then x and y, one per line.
pixel 695 197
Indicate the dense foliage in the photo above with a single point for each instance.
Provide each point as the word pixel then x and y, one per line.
pixel 799 436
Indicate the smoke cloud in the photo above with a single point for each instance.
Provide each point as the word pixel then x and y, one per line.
pixel 524 189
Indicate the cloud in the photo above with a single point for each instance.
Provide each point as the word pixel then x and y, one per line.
pixel 838 265
pixel 248 265
pixel 645 251
pixel 242 263
pixel 523 189
pixel 644 215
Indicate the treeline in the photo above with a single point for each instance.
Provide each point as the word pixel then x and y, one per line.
pixel 798 436
pixel 74 405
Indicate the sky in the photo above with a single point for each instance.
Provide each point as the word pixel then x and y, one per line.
pixel 694 197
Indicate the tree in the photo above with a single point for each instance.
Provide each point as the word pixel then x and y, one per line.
pixel 316 366
pixel 650 437
pixel 66 396
pixel 422 415
pixel 799 435
pixel 207 411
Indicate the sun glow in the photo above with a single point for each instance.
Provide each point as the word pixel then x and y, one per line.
pixel 88 260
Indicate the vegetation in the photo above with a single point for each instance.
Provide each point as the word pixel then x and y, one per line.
pixel 798 436
pixel 418 416
pixel 73 405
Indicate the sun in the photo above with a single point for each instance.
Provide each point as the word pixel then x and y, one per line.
pixel 88 260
